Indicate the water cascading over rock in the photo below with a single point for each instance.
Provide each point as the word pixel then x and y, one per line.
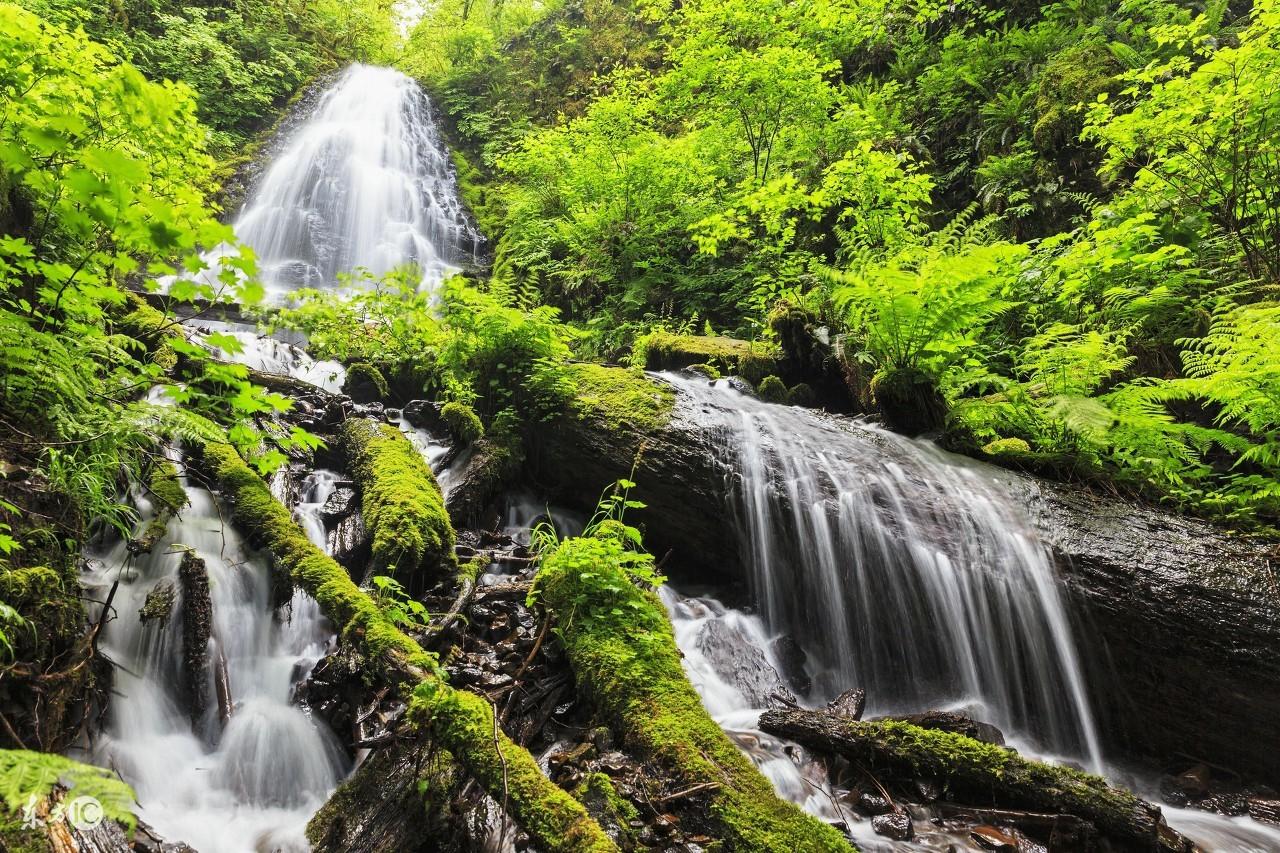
pixel 900 570
pixel 365 183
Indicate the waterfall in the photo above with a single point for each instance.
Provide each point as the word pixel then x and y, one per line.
pixel 900 569
pixel 363 183
pixel 253 783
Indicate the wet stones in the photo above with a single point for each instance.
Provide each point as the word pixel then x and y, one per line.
pixel 895 825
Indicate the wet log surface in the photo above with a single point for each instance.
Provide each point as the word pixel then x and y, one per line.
pixel 979 774
pixel 197 628
pixel 1180 620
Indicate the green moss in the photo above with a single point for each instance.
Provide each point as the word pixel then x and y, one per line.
pixel 165 488
pixel 1007 447
pixel 610 809
pixel 623 652
pixel 462 421
pixel 772 390
pixel 801 394
pixel 462 723
pixel 365 383
pixel 619 398
pixel 401 502
pixel 751 361
pixel 708 370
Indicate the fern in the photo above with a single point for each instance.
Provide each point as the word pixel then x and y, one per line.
pixel 25 774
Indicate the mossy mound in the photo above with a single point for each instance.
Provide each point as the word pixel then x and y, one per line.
pixel 772 390
pixel 462 421
pixel 1014 447
pixel 801 394
pixel 909 401
pixel 751 361
pixel 623 652
pixel 401 502
pixel 365 383
pixel 619 398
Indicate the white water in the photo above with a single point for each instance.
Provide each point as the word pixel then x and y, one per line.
pixel 900 569
pixel 254 784
pixel 363 183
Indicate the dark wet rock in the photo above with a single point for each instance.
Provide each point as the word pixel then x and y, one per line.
pixel 895 825
pixel 423 414
pixel 392 415
pixel 339 505
pixel 850 703
pixel 791 656
pixel 158 605
pixel 349 543
pixel 741 663
pixel 928 790
pixel 873 804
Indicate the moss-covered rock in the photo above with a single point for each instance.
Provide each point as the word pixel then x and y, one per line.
pixel 708 370
pixel 909 401
pixel 772 390
pixel 365 383
pixel 619 398
pixel 401 503
pixel 611 810
pixel 460 722
pixel 750 360
pixel 623 652
pixel 801 394
pixel 462 421
pixel 1014 447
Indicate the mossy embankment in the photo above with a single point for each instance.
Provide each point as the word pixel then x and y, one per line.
pixel 461 723
pixel 401 502
pixel 623 652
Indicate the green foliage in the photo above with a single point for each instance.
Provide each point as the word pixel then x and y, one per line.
pixel 462 344
pixel 242 60
pixel 25 775
pixel 404 611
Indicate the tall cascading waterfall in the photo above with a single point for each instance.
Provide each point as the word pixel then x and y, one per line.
pixel 900 570
pixel 363 183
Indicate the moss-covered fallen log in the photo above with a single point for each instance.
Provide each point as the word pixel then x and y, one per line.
pixel 401 503
pixel 979 773
pixel 460 722
pixel 167 497
pixel 623 652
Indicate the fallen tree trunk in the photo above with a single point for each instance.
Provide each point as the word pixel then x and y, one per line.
pixel 1186 617
pixel 980 774
pixel 400 503
pixel 197 628
pixel 458 721
pixel 623 653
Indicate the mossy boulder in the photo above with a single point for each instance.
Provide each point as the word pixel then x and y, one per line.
pixel 710 371
pixel 401 503
pixel 1011 447
pixel 365 383
pixel 801 394
pixel 750 360
pixel 462 421
pixel 772 390
pixel 909 400
pixel 619 398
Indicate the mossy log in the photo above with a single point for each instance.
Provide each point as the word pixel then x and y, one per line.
pixel 401 503
pixel 167 496
pixel 460 722
pixel 623 653
pixel 979 773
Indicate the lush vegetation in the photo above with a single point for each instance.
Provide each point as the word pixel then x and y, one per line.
pixel 1051 228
